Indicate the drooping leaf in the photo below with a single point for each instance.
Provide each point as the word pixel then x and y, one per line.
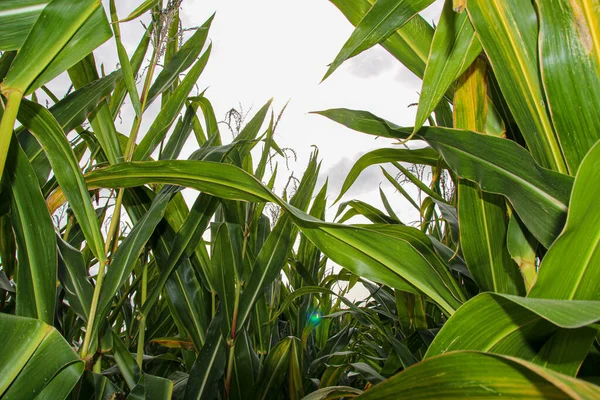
pixel 480 375
pixel 517 326
pixel 409 44
pixel 510 170
pixel 425 156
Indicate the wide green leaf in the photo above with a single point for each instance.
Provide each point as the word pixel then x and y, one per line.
pixel 41 363
pixel 44 127
pixel 508 31
pixel 17 17
pixel 34 233
pixel 40 58
pixel 468 374
pixel 574 256
pixel 570 68
pixel 356 248
pixel 539 196
pixel 517 326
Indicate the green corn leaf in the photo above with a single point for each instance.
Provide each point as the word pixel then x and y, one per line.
pixel 141 9
pixel 82 74
pixel 508 31
pixel 128 76
pixel 454 48
pixel 152 387
pixel 129 369
pixel 17 17
pixel 512 326
pixel 482 215
pixel 425 156
pixel 480 375
pixel 94 32
pixel 245 365
pixel 43 365
pixel 41 57
pixel 570 67
pixel 74 278
pixel 358 207
pixel 180 135
pixel 353 247
pixel 509 170
pixel 409 44
pixel 275 369
pixel 333 392
pixel 118 96
pixel 70 112
pixel 577 245
pixel 385 17
pixel 168 114
pixel 34 233
pixel 522 248
pixel 129 250
pixel 209 366
pixel 181 61
pixel 44 127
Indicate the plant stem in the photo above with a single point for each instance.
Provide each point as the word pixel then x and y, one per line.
pixel 7 124
pixel 142 327
pixel 236 306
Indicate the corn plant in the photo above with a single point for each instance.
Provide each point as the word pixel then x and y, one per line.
pixel 508 112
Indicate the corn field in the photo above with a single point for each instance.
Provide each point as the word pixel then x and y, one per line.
pixel 113 286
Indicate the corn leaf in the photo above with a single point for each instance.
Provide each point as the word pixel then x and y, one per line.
pixel 381 21
pixel 168 114
pixel 570 68
pixel 578 243
pixel 43 365
pixel 209 366
pixel 453 49
pixel 181 61
pixel 357 249
pixel 44 127
pixel 482 216
pixel 141 9
pixel 508 31
pixel 480 375
pixel 517 326
pixel 40 56
pixel 409 44
pixel 510 170
pixel 34 233
pixel 17 17
pixel 425 156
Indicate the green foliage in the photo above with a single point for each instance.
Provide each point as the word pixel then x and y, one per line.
pixel 134 293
